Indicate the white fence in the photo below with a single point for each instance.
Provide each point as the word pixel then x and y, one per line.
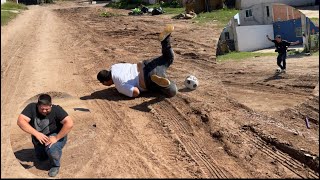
pixel 251 38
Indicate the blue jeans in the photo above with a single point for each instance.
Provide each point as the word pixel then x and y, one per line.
pixel 54 153
pixel 282 58
pixel 159 66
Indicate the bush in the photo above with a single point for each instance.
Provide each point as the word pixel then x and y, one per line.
pixel 12 5
pixel 125 4
pixel 172 4
pixel 48 1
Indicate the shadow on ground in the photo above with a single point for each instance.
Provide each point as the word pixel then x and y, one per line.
pixel 112 94
pixel 25 156
pixel 276 76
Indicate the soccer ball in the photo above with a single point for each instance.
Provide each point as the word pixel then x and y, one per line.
pixel 191 82
pixel 278 70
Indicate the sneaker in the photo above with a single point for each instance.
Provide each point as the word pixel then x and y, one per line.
pixel 160 81
pixel 283 71
pixel 166 32
pixel 53 171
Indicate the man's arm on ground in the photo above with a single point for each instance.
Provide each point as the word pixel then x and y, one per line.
pixel 128 90
pixel 23 123
pixel 135 92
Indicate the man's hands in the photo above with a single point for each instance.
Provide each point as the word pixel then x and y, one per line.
pixel 52 140
pixel 268 37
pixel 47 141
pixel 43 139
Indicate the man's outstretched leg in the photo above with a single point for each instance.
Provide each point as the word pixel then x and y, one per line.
pixel 155 69
pixel 167 57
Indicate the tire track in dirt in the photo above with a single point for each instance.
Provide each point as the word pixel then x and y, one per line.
pixel 108 112
pixel 286 160
pixel 168 113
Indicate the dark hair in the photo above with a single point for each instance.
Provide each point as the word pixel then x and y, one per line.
pixel 104 75
pixel 44 99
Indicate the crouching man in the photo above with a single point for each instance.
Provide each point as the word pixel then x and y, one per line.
pixel 48 125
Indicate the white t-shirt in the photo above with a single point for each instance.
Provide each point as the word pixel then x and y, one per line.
pixel 125 77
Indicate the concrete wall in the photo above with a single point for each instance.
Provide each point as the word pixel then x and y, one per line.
pixel 241 4
pixel 251 38
pixel 3 1
pixel 259 15
pixel 277 12
pixel 229 30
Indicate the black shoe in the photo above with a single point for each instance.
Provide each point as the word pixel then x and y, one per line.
pixel 53 171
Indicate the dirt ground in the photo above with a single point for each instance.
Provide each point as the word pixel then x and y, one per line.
pixel 243 121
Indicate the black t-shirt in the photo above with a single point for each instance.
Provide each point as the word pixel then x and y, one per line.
pixel 45 124
pixel 282 46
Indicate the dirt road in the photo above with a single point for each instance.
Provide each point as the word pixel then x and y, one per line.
pixel 242 121
pixel 310 11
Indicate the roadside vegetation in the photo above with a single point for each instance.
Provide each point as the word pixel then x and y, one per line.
pixel 315 21
pixel 237 56
pixel 315 53
pixel 221 16
pixel 10 10
pixel 109 14
pixel 12 6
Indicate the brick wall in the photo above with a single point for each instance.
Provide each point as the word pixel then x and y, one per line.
pixel 283 12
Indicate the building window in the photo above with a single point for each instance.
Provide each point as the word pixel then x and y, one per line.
pixel 248 13
pixel 226 35
pixel 298 32
pixel 268 13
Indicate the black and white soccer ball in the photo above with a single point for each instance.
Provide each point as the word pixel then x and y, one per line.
pixel 191 82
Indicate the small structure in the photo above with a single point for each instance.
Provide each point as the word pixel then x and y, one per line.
pixel 255 22
pixel 243 4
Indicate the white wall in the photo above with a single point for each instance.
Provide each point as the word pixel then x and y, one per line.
pixel 3 1
pixel 251 38
pixel 248 3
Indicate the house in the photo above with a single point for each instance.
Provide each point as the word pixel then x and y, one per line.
pixel 255 22
pixel 243 4
pixel 267 13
